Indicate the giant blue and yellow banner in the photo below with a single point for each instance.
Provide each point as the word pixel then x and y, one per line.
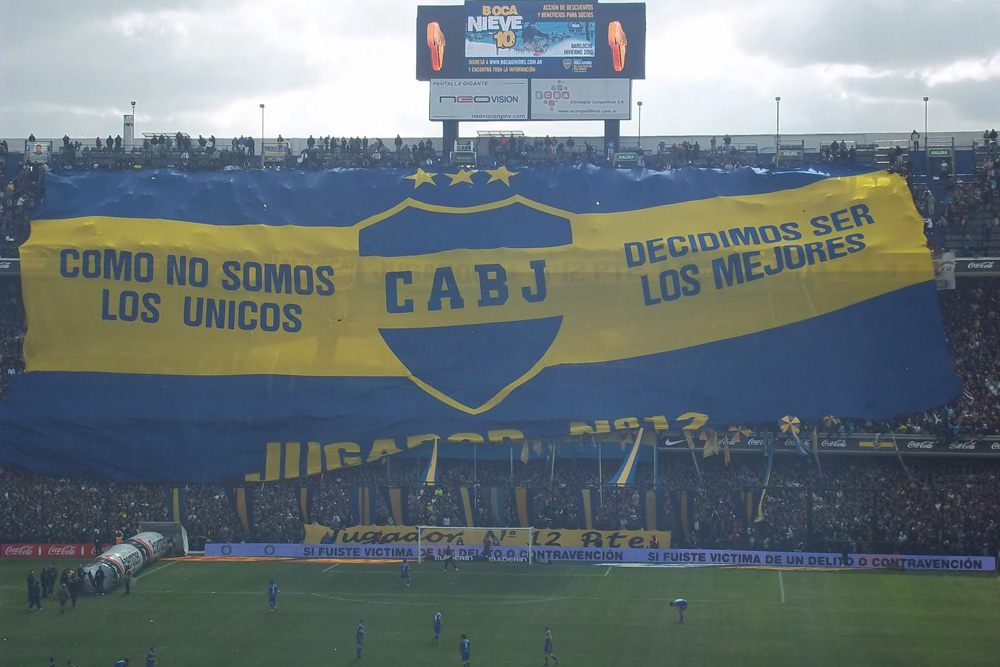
pixel 268 325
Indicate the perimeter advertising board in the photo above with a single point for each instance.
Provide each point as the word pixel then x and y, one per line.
pixel 479 99
pixel 529 39
pixel 663 557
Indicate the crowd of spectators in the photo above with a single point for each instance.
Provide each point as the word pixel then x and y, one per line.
pixel 967 218
pixel 12 329
pixel 21 193
pixel 861 502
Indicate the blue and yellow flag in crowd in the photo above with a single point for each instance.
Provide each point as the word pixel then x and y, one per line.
pixel 276 324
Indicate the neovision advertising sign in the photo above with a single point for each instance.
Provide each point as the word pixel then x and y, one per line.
pixel 479 99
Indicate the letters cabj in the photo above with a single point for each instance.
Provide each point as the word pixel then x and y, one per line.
pixel 133 554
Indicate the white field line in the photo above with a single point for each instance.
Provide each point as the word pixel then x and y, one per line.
pixel 162 567
pixel 509 599
pixel 781 584
pixel 331 567
pixel 450 573
pixel 608 571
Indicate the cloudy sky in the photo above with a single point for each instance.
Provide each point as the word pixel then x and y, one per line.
pixel 347 67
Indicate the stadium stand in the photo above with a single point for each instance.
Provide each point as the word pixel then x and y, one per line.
pixel 883 503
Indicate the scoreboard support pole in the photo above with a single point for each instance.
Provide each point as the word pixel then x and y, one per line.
pixel 449 136
pixel 612 137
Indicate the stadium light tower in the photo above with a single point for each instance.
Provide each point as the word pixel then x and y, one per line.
pixel 639 104
pixel 777 129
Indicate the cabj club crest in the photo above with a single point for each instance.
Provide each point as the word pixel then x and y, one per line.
pixel 503 328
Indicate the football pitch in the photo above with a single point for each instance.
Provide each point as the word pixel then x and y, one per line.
pixel 216 613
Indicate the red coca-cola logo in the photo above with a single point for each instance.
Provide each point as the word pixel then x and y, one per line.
pixel 14 551
pixel 44 550
pixel 62 550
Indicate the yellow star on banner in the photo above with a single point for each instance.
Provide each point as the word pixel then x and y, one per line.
pixel 464 176
pixel 420 178
pixel 500 174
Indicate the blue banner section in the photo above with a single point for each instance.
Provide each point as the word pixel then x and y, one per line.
pixel 256 326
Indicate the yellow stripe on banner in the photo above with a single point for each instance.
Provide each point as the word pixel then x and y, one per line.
pixel 588 276
pixel 304 503
pixel 521 494
pixel 432 467
pixel 626 471
pixel 293 452
pixel 272 462
pixel 396 505
pixel 314 459
pixel 749 501
pixel 466 505
pixel 175 503
pixel 588 510
pixel 685 524
pixel 241 508
pixel 651 510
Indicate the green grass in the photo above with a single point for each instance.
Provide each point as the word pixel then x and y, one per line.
pixel 214 614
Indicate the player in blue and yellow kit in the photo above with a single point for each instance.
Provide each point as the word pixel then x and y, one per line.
pixel 359 635
pixel 404 572
pixel 465 647
pixel 151 657
pixel 548 647
pixel 272 595
pixel 437 628
pixel 680 604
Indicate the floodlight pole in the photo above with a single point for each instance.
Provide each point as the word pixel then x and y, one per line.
pixel 777 130
pixel 927 154
pixel 639 104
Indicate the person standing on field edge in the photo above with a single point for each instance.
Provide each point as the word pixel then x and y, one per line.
pixel 128 581
pixel 63 597
pixel 449 558
pixel 35 595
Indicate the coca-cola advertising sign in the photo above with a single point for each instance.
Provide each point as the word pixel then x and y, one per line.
pixel 920 444
pixel 862 443
pixel 46 550
pixel 985 266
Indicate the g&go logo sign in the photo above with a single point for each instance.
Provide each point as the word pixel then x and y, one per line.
pixel 554 94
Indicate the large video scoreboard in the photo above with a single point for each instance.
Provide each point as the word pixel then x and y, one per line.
pixel 525 40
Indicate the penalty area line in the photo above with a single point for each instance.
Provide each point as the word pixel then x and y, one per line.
pixel 331 567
